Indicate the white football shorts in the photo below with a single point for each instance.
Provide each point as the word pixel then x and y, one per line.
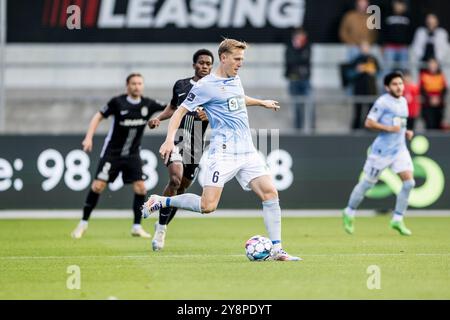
pixel 375 164
pixel 221 168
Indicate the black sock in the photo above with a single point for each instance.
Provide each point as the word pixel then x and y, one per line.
pixel 91 202
pixel 172 214
pixel 164 215
pixel 138 202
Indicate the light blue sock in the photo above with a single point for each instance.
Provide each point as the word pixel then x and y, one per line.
pixel 402 198
pixel 358 193
pixel 272 219
pixel 186 201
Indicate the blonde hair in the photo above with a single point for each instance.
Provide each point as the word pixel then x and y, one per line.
pixel 228 45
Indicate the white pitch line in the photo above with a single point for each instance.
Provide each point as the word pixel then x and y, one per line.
pixel 222 213
pixel 219 255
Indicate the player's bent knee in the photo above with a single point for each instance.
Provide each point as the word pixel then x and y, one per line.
pixel 369 183
pixel 409 184
pixel 270 195
pixel 98 186
pixel 139 188
pixel 140 191
pixel 175 182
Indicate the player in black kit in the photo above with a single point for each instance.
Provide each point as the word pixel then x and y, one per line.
pixel 120 153
pixel 184 160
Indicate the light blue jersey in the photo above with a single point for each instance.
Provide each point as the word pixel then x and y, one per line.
pixel 389 111
pixel 223 100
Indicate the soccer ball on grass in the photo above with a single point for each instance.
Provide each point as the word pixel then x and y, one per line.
pixel 258 248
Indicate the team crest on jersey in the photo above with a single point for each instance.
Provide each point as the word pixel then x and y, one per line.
pixel 191 97
pixel 144 111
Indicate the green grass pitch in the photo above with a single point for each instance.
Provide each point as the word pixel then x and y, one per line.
pixel 204 259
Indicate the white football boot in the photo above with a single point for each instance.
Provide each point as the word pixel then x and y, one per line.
pixel 153 204
pixel 138 231
pixel 281 255
pixel 81 228
pixel 159 237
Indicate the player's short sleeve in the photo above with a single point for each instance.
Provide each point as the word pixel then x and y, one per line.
pixel 174 100
pixel 153 107
pixel 109 108
pixel 376 111
pixel 156 105
pixel 198 96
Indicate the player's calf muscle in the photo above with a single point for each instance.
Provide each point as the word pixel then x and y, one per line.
pixel 209 204
pixel 208 207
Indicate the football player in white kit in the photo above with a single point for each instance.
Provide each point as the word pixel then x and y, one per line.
pixel 231 153
pixel 388 116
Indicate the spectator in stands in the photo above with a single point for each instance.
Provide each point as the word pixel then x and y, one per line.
pixel 433 87
pixel 395 36
pixel 298 73
pixel 364 84
pixel 412 95
pixel 430 41
pixel 353 29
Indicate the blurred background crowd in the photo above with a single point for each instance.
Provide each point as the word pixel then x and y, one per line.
pixel 370 54
pixel 324 86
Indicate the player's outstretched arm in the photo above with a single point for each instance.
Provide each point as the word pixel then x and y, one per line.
pixel 166 114
pixel 87 142
pixel 269 104
pixel 374 125
pixel 174 124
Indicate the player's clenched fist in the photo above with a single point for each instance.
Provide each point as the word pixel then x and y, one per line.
pixel 166 149
pixel 154 123
pixel 202 115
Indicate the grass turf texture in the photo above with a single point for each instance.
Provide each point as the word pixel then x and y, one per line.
pixel 204 259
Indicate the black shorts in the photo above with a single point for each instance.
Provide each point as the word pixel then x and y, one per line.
pixel 189 170
pixel 110 167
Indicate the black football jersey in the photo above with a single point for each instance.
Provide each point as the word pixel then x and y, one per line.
pixel 192 128
pixel 130 119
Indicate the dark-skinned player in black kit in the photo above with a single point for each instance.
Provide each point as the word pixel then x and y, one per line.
pixel 184 160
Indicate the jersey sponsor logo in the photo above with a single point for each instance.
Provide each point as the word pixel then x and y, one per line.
pixel 133 122
pixel 400 121
pixel 236 103
pixel 144 111
pixel 191 97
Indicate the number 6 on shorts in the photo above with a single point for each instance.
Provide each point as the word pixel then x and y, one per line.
pixel 215 177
